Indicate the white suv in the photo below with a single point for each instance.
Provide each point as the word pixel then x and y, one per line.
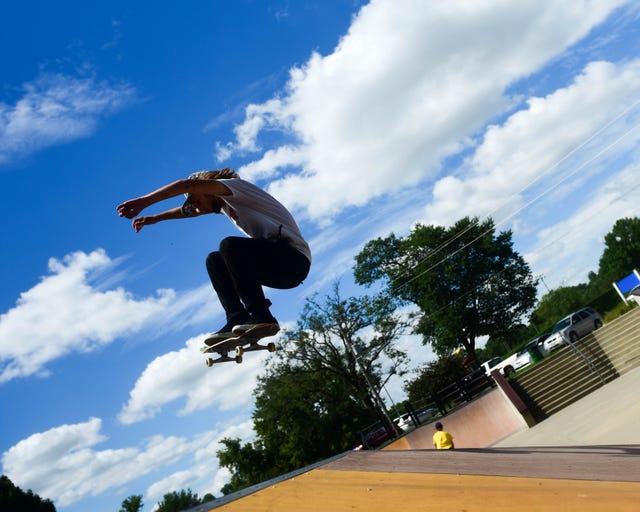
pixel 404 422
pixel 573 327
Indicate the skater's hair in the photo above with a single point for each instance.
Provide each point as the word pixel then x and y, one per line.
pixel 220 174
pixel 188 208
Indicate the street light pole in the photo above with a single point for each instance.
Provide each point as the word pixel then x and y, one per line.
pixel 372 389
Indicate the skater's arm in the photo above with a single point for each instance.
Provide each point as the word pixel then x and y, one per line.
pixel 147 220
pixel 133 207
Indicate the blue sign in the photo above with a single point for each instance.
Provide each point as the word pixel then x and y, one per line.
pixel 628 283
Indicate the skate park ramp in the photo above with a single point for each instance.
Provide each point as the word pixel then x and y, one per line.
pixel 593 473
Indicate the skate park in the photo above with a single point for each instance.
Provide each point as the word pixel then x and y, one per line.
pixel 585 456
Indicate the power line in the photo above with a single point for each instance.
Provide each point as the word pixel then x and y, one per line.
pixel 529 203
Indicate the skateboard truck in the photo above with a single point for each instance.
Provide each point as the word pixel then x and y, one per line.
pixel 245 342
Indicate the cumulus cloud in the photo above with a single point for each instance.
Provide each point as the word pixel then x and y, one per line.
pixel 541 160
pixel 65 465
pixel 62 464
pixel 382 111
pixel 56 109
pixel 69 307
pixel 182 374
pixel 550 143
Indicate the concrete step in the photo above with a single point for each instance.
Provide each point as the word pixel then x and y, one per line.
pixel 575 394
pixel 564 376
pixel 564 364
pixel 573 379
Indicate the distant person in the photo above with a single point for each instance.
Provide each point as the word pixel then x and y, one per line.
pixel 442 440
pixel 275 254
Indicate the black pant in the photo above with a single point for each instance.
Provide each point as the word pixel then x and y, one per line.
pixel 241 266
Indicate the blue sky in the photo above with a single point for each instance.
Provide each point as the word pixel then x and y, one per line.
pixel 363 118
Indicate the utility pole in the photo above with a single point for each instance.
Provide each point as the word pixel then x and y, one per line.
pixel 372 389
pixel 541 277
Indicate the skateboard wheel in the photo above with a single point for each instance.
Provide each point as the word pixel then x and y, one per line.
pixel 271 347
pixel 238 359
pixel 239 351
pixel 209 362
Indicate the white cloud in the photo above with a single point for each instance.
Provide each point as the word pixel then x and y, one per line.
pixel 203 476
pixel 567 250
pixel 68 307
pixel 63 464
pixel 553 141
pixel 401 92
pixel 183 374
pixel 56 109
pixel 541 162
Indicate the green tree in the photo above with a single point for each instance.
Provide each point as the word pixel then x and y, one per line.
pixel 208 497
pixel 435 376
pixel 349 338
pixel 132 504
pixel 620 257
pixel 249 464
pixel 505 343
pixel 622 250
pixel 12 498
pixel 467 280
pixel 557 304
pixel 314 398
pixel 178 501
pixel 304 415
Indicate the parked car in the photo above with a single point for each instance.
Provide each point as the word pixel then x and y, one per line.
pixel 426 414
pixel 524 357
pixel 517 360
pixel 491 364
pixel 573 327
pixel 505 366
pixel 377 437
pixel 404 422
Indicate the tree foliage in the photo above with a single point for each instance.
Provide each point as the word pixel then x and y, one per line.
pixel 132 504
pixel 434 376
pixel 622 251
pixel 342 336
pixel 558 303
pixel 467 280
pixel 178 501
pixel 14 499
pixel 620 257
pixel 507 342
pixel 249 464
pixel 314 398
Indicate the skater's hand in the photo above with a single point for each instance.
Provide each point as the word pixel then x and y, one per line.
pixel 139 222
pixel 132 207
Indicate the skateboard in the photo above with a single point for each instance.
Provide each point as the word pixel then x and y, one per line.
pixel 246 341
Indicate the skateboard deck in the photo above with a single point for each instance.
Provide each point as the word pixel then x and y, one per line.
pixel 246 341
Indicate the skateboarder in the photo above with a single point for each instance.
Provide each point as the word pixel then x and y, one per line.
pixel 275 254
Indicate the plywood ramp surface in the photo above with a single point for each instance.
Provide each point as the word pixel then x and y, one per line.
pixel 337 491
pixel 482 480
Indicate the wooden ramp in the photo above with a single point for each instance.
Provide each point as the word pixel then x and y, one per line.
pixel 596 478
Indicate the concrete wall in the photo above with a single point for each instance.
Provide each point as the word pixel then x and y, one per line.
pixel 475 425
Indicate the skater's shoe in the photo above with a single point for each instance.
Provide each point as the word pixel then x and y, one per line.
pixel 226 331
pixel 264 322
pixel 218 337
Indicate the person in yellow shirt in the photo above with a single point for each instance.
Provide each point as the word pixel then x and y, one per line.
pixel 442 440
